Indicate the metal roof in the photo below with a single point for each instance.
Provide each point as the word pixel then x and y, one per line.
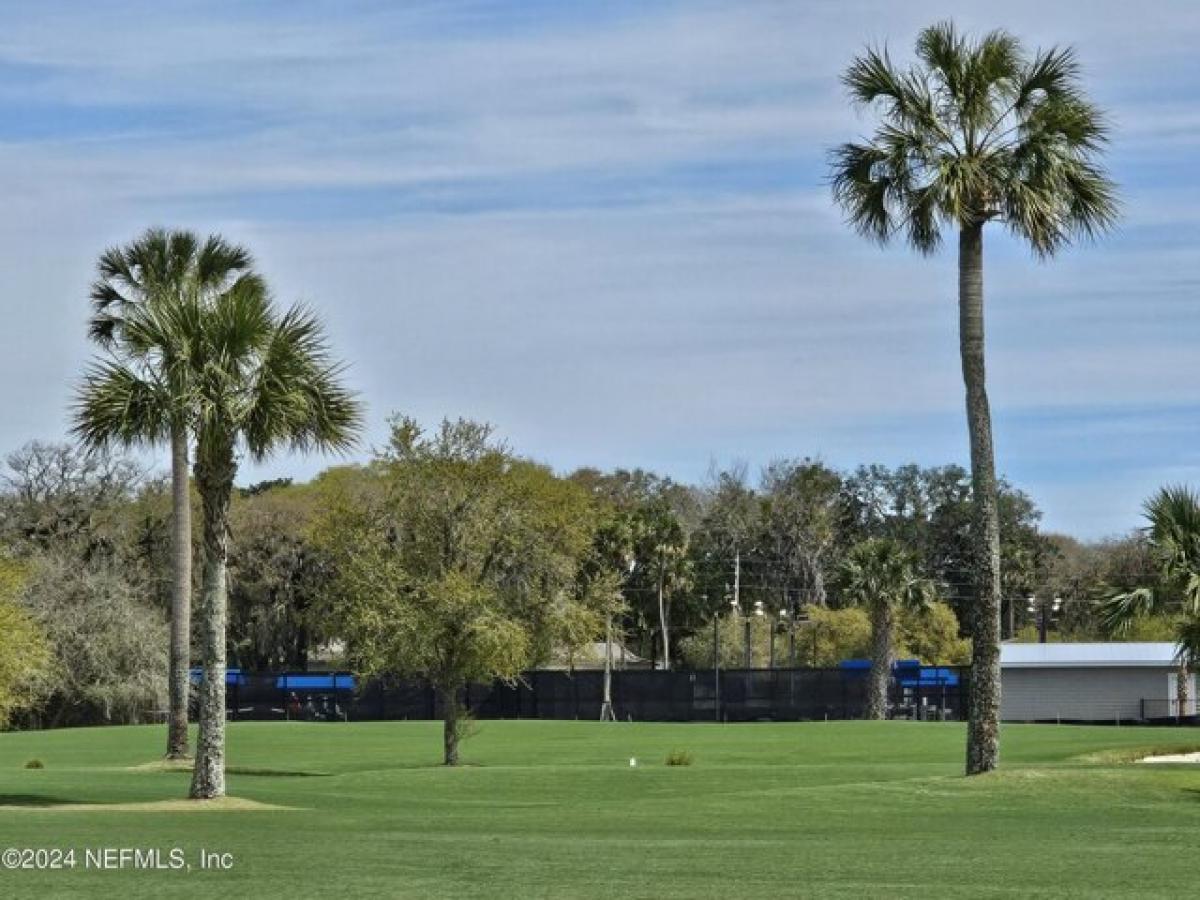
pixel 1077 656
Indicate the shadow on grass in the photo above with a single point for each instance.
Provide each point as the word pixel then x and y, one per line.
pixel 176 766
pixel 33 800
pixel 274 773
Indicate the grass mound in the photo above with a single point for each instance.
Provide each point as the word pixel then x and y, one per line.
pixel 222 804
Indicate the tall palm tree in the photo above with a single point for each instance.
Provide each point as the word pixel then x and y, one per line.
pixel 162 268
pixel 1173 534
pixel 881 574
pixel 263 380
pixel 976 131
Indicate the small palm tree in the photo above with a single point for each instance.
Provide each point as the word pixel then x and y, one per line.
pixel 1173 534
pixel 263 380
pixel 157 270
pixel 977 131
pixel 881 574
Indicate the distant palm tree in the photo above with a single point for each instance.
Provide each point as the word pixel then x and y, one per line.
pixel 1173 534
pixel 159 269
pixel 976 132
pixel 881 575
pixel 263 380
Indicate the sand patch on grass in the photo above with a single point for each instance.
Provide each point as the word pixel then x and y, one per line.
pixel 1152 752
pixel 222 804
pixel 1172 758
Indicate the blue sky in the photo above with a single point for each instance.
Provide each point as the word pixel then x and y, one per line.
pixel 605 227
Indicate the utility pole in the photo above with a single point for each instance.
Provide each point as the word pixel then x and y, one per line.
pixel 737 578
pixel 737 602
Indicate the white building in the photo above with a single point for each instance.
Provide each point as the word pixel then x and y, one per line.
pixel 1089 682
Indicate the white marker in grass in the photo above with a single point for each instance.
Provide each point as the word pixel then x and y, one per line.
pixel 633 762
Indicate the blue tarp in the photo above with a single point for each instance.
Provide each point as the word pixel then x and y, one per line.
pixel 315 682
pixel 233 677
pixel 907 672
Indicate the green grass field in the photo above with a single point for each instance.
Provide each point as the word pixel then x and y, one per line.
pixel 552 809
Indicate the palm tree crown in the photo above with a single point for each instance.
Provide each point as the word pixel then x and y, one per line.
pixel 243 372
pixel 1173 533
pixel 146 305
pixel 976 131
pixel 882 572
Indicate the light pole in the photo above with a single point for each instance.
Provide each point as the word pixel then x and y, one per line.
pixel 759 612
pixel 782 618
pixel 1046 613
pixel 735 610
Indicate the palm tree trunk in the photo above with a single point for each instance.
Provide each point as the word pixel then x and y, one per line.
pixel 983 705
pixel 1182 687
pixel 882 626
pixel 214 478
pixel 181 597
pixel 662 618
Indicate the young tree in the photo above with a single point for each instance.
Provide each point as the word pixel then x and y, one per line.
pixel 461 566
pixel 256 379
pixel 881 575
pixel 660 555
pixel 163 269
pixel 977 131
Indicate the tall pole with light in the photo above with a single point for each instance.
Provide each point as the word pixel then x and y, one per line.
pixel 1046 613
pixel 781 621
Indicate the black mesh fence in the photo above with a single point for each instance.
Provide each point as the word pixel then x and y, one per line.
pixel 735 695
pixel 1170 712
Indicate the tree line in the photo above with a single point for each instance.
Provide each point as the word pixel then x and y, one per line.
pixel 87 560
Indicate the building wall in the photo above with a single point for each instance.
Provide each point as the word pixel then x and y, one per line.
pixel 1080 694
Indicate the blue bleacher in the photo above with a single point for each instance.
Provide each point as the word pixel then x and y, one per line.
pixel 908 673
pixel 315 683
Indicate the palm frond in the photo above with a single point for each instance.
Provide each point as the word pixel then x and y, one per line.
pixel 1187 642
pixel 297 398
pixel 861 187
pixel 1052 74
pixel 1118 613
pixel 219 260
pixel 117 405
